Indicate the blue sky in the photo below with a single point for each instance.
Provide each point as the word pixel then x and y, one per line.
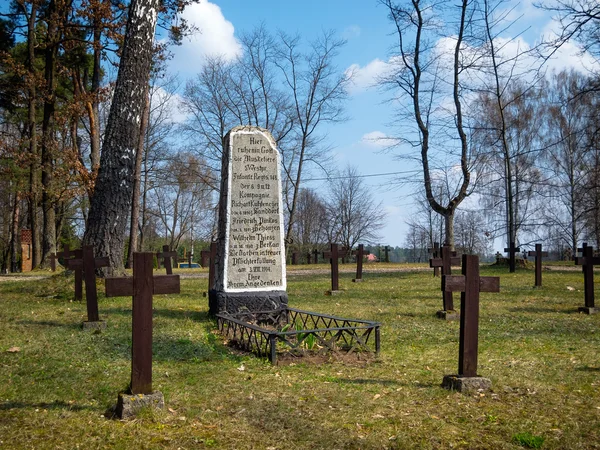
pixel 369 35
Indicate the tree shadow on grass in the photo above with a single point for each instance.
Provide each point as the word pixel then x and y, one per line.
pixel 57 404
pixel 50 323
pixel 177 314
pixel 587 369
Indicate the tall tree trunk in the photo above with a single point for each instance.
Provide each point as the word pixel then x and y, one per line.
pixel 137 178
pixel 48 129
pixel 14 235
pixel 111 204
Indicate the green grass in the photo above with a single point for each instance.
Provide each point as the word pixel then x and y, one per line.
pixel 542 356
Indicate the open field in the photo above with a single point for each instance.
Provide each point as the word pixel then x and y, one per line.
pixel 57 381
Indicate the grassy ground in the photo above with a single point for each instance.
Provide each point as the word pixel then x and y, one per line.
pixel 57 381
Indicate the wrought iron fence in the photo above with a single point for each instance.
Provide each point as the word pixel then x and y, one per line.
pixel 268 333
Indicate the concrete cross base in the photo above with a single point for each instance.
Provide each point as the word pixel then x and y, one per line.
pixel 588 310
pixel 94 326
pixel 357 280
pixel 129 406
pixel 448 315
pixel 466 384
pixel 338 292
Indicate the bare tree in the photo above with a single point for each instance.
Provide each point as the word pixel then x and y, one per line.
pixel 418 79
pixel 309 229
pixel 354 216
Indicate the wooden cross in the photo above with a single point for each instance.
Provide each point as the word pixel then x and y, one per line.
pixel 538 253
pixel 588 261
pixel 512 251
pixel 435 253
pixel 53 259
pixel 142 287
pixel 333 255
pixel 166 255
pixel 76 264
pixel 87 264
pixel 66 254
pixel 470 284
pixel 446 261
pixel 294 258
pixel 581 250
pixel 359 253
pixel 316 253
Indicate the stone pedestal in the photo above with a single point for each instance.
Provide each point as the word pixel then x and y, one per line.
pixel 588 310
pixel 448 315
pixel 129 406
pixel 466 384
pixel 233 302
pixel 94 326
pixel 357 280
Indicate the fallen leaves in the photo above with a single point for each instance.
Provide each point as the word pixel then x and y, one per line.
pixel 14 350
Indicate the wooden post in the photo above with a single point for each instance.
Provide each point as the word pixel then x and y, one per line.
pixel 142 286
pixel 538 253
pixel 359 253
pixel 294 258
pixel 512 250
pixel 333 255
pixel 167 255
pixel 588 261
pixel 447 260
pixel 435 253
pixel 469 284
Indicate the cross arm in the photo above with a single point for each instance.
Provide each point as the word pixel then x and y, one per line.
pixel 456 283
pixel 435 262
pixel 582 261
pixel 123 286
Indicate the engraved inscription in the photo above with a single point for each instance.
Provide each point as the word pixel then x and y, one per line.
pixel 255 251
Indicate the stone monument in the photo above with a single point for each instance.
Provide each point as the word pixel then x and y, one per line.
pixel 250 257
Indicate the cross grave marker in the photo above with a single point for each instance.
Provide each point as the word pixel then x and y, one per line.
pixel 538 253
pixel 469 284
pixel 142 287
pixel 435 253
pixel 512 251
pixel 447 259
pixel 359 253
pixel 166 255
pixel 588 261
pixel 77 268
pixel 250 259
pixel 333 255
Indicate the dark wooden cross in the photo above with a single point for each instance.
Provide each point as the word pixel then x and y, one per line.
pixel 469 284
pixel 88 264
pixel 446 260
pixel 588 261
pixel 142 287
pixel 512 251
pixel 166 255
pixel 580 251
pixel 538 253
pixel 316 253
pixel 53 259
pixel 76 264
pixel 294 258
pixel 333 255
pixel 66 254
pixel 435 253
pixel 359 253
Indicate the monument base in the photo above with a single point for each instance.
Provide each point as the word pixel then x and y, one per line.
pixel 234 302
pixel 338 292
pixel 94 326
pixel 357 280
pixel 129 406
pixel 588 310
pixel 466 384
pixel 448 315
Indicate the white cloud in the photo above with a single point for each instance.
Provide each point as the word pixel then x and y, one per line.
pixel 215 36
pixel 367 76
pixel 378 140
